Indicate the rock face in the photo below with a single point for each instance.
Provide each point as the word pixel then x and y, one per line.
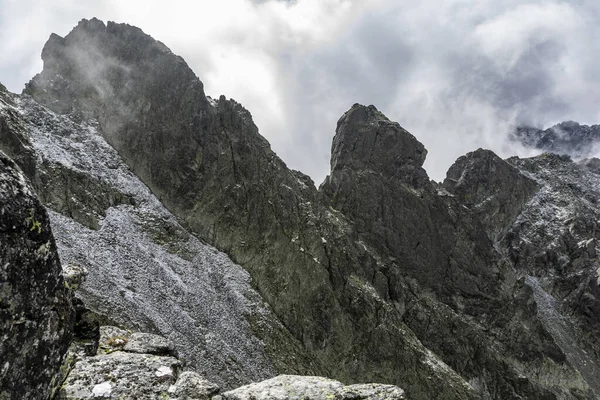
pixel 483 287
pixel 490 187
pixel 569 137
pixel 36 317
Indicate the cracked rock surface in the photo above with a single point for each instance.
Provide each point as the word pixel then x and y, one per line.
pixel 36 316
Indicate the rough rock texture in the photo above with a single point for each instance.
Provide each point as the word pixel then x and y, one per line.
pixel 379 276
pixel 191 386
pixel 14 140
pixel 568 138
pixel 140 342
pixel 120 368
pixel 288 387
pixel 554 241
pixel 129 375
pixel 36 317
pixel 491 187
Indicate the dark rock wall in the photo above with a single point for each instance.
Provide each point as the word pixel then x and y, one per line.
pixel 36 316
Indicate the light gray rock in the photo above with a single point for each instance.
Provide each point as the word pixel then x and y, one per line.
pixel 74 276
pixel 121 375
pixel 291 387
pixel 111 339
pixel 192 386
pixel 373 391
pixel 140 342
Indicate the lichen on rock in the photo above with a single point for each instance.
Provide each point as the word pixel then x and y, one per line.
pixel 36 316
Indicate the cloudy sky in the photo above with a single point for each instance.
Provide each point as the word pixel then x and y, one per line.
pixel 458 74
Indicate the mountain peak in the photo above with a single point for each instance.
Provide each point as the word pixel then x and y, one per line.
pixel 366 139
pixel 568 138
pixel 98 64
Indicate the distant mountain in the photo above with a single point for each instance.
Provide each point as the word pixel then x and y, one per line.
pixel 569 137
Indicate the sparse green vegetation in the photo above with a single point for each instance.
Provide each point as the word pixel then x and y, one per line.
pixel 35 224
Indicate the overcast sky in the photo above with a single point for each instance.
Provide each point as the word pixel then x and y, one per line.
pixel 456 73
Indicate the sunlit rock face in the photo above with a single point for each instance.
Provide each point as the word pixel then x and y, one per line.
pixel 483 287
pixel 36 317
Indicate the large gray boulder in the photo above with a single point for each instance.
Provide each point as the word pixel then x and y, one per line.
pixel 36 317
pixel 289 387
pixel 192 386
pixel 135 365
pixel 129 375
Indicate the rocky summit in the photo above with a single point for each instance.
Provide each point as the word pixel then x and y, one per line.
pixel 200 266
pixel 568 137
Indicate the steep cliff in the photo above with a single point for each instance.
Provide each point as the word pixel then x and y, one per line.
pixel 36 317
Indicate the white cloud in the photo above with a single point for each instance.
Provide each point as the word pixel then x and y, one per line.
pixel 456 73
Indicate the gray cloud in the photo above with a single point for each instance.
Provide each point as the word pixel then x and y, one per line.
pixel 458 74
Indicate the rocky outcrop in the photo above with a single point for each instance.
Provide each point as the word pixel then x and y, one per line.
pixel 555 240
pixel 117 372
pixel 36 317
pixel 145 271
pixel 490 187
pixel 14 140
pixel 122 368
pixel 312 387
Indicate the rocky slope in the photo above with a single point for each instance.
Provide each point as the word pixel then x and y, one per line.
pixel 483 287
pixel 569 137
pixel 145 271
